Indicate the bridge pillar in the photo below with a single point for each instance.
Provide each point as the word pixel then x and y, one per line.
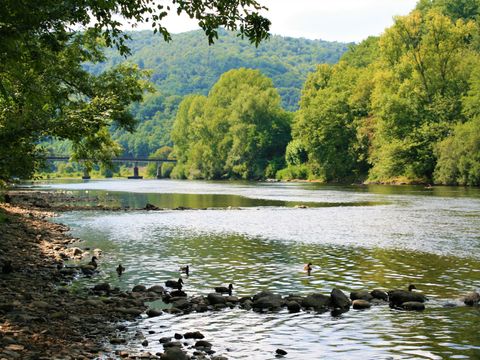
pixel 135 173
pixel 86 174
pixel 159 170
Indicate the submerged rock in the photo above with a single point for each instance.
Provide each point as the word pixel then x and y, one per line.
pixel 471 299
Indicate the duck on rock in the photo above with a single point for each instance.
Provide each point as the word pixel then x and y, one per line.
pixel 224 290
pixel 398 297
pixel 174 284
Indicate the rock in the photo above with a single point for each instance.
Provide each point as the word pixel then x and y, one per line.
pixel 360 304
pixel 102 287
pixel 40 304
pixel 15 347
pixel 232 299
pixel 281 352
pixel 174 353
pixel 317 302
pixel 130 311
pixel 154 312
pixel 379 294
pixel 293 306
pixel 149 206
pixel 471 299
pixel 339 299
pixel 413 305
pixel 398 297
pixel 171 344
pixel 117 341
pixel 145 343
pixel 246 305
pixel 139 288
pixel 267 300
pixel 214 298
pixel 181 303
pixel 178 336
pixel 193 335
pixel 203 344
pixel 360 295
pixel 76 251
pixel 164 340
pixel 156 289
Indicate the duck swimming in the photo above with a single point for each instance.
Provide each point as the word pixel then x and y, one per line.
pixel 308 268
pixel 224 290
pixel 174 284
pixel 120 269
pixel 185 269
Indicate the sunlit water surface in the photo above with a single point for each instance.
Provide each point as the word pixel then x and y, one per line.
pixel 357 237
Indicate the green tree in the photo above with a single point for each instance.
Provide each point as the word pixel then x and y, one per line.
pixel 423 74
pixel 44 90
pixel 235 132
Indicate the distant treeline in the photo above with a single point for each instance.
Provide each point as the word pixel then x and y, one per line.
pixel 399 108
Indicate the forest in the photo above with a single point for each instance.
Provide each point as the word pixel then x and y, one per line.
pixel 399 108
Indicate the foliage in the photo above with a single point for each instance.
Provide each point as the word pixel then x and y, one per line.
pixel 235 132
pixel 459 156
pixel 395 107
pixel 46 93
pixel 188 65
pixel 166 168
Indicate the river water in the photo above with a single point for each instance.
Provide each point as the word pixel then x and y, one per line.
pixel 256 236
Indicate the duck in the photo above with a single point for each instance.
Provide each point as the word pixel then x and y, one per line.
pixel 120 269
pixel 224 290
pixel 90 267
pixel 308 268
pixel 185 269
pixel 174 284
pixel 398 297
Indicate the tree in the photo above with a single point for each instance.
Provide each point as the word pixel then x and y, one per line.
pixel 235 132
pixel 44 90
pixel 423 74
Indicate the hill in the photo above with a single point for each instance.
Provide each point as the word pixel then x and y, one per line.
pixel 189 65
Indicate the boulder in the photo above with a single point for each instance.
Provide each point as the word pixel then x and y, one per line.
pixel 174 353
pixel 154 312
pixel 360 304
pixel 293 306
pixel 398 297
pixel 360 295
pixel 102 287
pixel 214 299
pixel 203 344
pixel 139 288
pixel 339 299
pixel 193 335
pixel 181 303
pixel 317 302
pixel 156 289
pixel 269 301
pixel 281 352
pixel 413 305
pixel 379 294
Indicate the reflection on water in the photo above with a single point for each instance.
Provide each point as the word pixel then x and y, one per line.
pixel 429 240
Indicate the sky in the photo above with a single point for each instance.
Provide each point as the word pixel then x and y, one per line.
pixel 332 20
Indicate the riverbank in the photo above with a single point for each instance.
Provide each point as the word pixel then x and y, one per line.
pixel 41 316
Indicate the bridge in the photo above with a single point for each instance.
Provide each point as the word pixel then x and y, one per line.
pixel 135 160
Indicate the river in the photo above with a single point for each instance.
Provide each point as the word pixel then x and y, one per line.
pixel 258 236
